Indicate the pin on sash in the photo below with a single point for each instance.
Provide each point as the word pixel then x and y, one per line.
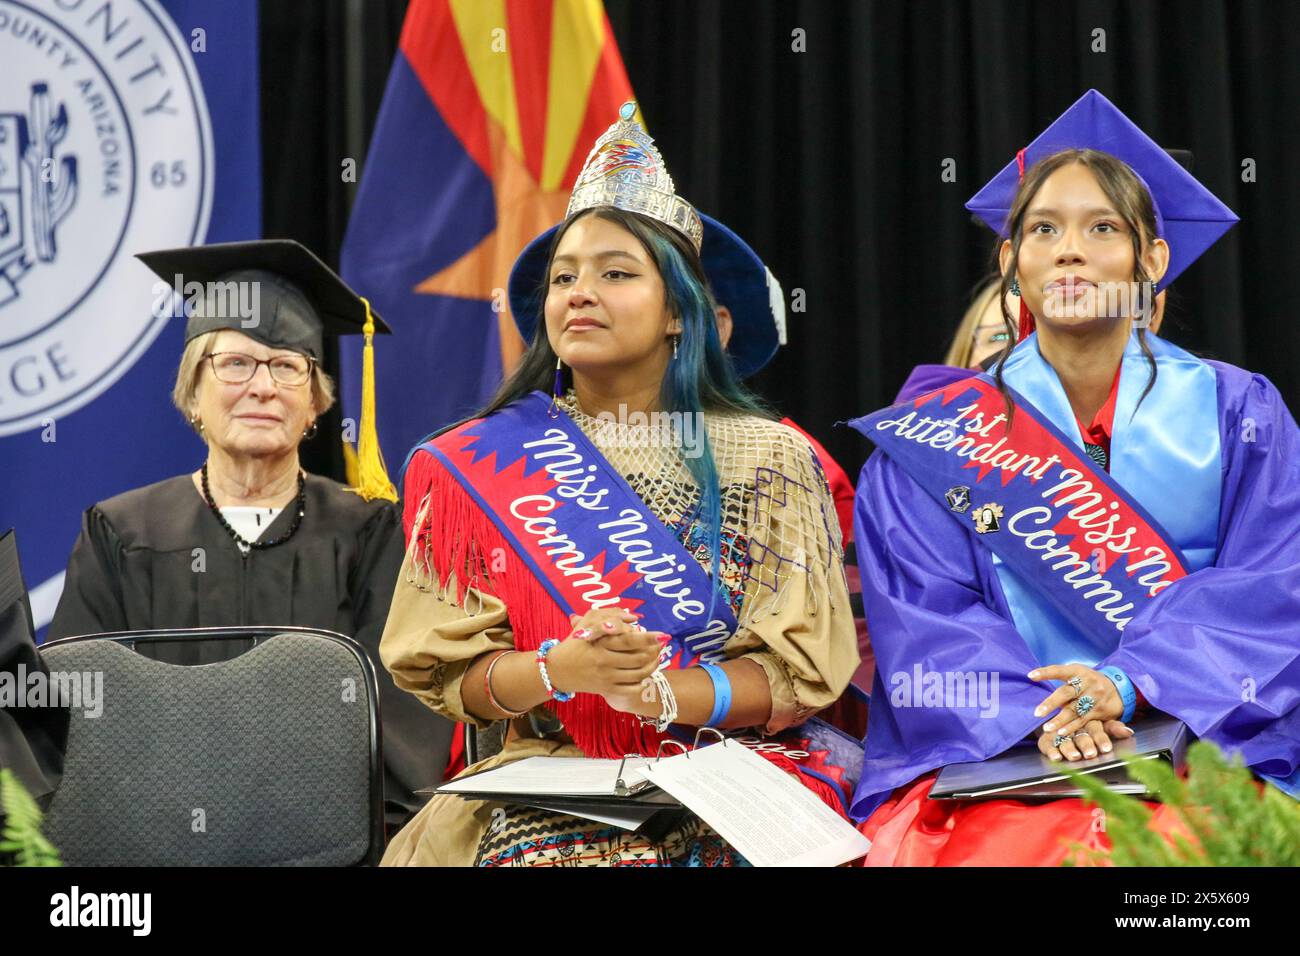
pixel 988 518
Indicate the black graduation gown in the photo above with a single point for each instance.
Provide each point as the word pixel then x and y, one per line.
pixel 156 557
pixel 32 739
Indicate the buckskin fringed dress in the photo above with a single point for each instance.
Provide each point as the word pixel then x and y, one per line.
pixel 781 571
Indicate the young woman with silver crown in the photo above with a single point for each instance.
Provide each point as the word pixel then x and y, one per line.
pixel 604 580
pixel 1102 527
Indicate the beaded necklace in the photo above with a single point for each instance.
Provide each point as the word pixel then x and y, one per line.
pixel 300 508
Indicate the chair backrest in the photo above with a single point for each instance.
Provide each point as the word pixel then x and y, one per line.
pixel 269 758
pixel 481 744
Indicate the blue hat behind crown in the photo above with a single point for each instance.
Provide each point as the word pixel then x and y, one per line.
pixel 736 274
pixel 1188 216
pixel 625 170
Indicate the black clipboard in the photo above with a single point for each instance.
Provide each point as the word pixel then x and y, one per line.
pixel 668 809
pixel 1023 773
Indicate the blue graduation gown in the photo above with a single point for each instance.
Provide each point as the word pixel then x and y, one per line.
pixel 1219 649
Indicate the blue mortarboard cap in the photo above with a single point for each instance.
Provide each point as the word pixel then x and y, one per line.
pixel 1188 216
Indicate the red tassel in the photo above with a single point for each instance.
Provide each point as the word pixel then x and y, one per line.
pixel 1027 325
pixel 1026 317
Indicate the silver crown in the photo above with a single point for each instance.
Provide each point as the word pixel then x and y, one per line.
pixel 624 170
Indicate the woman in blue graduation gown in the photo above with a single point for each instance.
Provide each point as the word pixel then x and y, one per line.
pixel 1103 526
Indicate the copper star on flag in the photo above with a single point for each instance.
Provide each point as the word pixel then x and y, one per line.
pixel 532 85
pixel 523 210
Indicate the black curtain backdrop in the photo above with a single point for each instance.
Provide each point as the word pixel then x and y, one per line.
pixel 324 65
pixel 830 161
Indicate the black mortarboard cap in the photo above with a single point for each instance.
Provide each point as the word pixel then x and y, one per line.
pixel 298 300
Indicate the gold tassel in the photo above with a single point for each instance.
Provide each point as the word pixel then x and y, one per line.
pixel 371 478
pixel 351 466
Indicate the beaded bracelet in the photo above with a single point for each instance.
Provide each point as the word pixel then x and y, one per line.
pixel 667 705
pixel 487 686
pixel 549 645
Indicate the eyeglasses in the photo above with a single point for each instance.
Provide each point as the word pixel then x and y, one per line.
pixel 236 368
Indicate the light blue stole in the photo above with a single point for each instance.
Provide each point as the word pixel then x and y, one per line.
pixel 1165 453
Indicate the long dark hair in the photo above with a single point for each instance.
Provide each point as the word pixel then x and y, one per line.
pixel 1131 200
pixel 700 378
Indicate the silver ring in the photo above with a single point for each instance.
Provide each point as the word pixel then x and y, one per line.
pixel 1079 733
pixel 1077 683
pixel 1084 705
pixel 1059 739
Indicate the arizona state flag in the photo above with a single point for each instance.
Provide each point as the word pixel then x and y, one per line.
pixel 490 110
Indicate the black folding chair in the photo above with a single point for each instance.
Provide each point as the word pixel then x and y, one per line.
pixel 268 758
pixel 481 744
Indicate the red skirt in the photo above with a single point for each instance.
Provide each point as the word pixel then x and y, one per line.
pixel 909 829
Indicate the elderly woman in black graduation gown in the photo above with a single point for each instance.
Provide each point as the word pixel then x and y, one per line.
pixel 249 538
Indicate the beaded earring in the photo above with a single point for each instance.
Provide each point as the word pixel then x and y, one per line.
pixel 554 410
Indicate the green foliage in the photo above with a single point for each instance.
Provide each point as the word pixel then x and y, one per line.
pixel 21 835
pixel 1235 821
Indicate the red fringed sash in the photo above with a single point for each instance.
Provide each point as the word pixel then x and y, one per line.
pixel 458 538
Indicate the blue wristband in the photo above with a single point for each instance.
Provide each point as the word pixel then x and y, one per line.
pixel 1127 692
pixel 721 693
